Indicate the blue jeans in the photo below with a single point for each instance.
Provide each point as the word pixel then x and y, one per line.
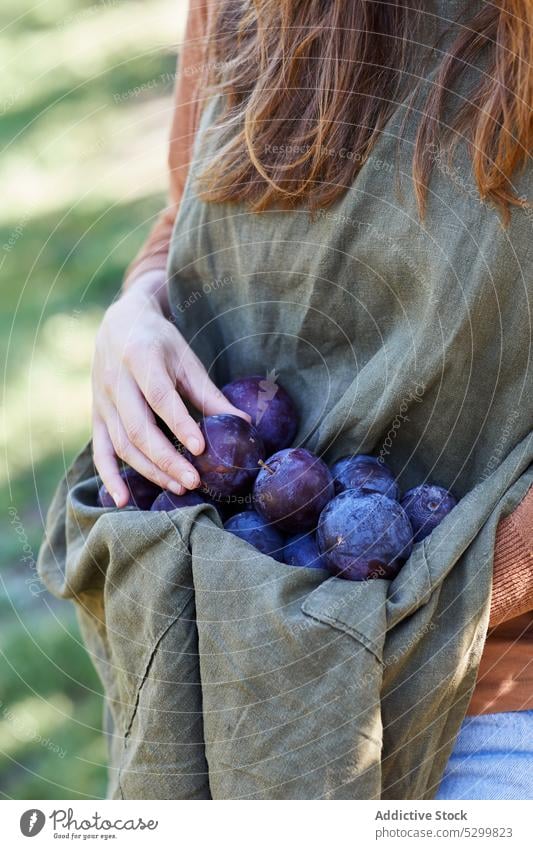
pixel 492 758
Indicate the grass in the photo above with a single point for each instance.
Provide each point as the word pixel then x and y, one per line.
pixel 85 108
pixel 50 709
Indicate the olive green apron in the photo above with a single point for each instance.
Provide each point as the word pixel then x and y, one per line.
pixel 229 675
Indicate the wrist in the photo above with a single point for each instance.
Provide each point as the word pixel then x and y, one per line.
pixel 151 288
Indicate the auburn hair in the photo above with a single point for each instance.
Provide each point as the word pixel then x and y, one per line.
pixel 305 80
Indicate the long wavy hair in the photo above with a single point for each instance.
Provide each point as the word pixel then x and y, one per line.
pixel 307 79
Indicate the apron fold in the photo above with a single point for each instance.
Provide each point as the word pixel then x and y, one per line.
pixel 129 574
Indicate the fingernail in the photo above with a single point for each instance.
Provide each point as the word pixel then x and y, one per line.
pixel 116 497
pixel 175 487
pixel 194 445
pixel 190 479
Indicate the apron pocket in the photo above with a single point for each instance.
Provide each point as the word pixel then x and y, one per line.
pixel 286 675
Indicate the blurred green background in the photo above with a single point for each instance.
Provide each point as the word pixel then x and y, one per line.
pixel 85 99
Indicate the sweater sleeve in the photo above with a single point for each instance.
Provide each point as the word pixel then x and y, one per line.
pixel 512 586
pixel 190 79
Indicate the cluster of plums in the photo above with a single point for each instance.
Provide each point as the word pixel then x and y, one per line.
pixel 287 503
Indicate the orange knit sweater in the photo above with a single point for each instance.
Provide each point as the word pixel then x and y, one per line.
pixel 505 680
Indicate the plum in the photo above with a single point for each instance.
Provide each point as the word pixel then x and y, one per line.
pixel 270 407
pixel 142 491
pixel 426 506
pixel 231 458
pixel 302 550
pixel 250 527
pixel 364 536
pixel 230 505
pixel 292 488
pixel 168 501
pixel 365 473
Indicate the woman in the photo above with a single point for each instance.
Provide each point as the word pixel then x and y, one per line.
pixel 354 113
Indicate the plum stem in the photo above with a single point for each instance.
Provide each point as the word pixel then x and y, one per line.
pixel 266 466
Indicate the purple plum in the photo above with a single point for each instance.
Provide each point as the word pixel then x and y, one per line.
pixel 270 407
pixel 142 491
pixel 302 550
pixel 230 462
pixel 250 527
pixel 292 489
pixel 364 536
pixel 427 505
pixel 168 501
pixel 366 474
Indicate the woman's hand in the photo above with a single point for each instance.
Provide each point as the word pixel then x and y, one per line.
pixel 142 364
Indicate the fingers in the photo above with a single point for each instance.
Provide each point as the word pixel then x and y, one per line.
pixel 138 440
pixel 106 463
pixel 108 444
pixel 200 389
pixel 159 390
